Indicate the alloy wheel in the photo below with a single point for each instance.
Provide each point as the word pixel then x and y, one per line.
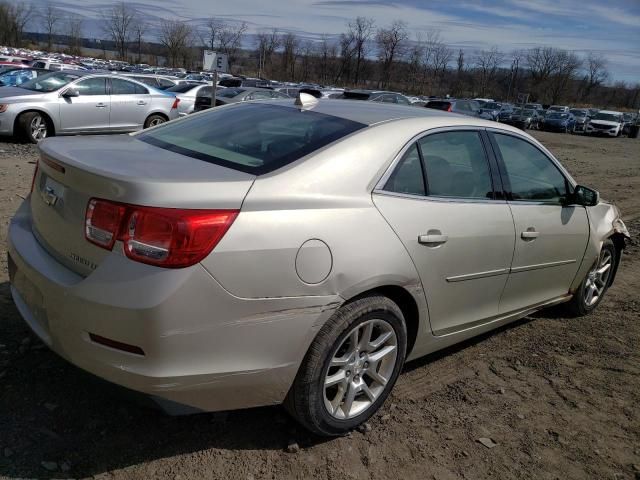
pixel 156 121
pixel 360 369
pixel 598 278
pixel 38 128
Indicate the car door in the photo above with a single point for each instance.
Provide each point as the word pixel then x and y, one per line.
pixel 551 236
pixel 454 225
pixel 89 111
pixel 130 103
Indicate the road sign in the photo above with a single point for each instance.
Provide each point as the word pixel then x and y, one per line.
pixel 214 61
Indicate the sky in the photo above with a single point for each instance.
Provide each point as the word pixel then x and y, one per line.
pixel 610 27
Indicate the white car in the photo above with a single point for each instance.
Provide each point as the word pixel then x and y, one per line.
pixel 605 122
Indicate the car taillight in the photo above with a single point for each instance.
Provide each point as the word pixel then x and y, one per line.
pixel 102 222
pixel 175 103
pixel 33 180
pixel 449 108
pixel 167 237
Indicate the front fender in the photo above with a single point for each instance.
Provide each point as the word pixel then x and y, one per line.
pixel 605 222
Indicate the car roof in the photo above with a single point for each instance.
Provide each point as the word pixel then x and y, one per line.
pixel 371 113
pixel 612 112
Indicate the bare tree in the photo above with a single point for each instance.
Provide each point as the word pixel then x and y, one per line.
pixel 118 25
pixel 414 63
pixel 360 30
pixel 211 32
pixel 290 44
pixel 50 18
pixel 391 43
pixel 436 58
pixel 568 64
pixel 174 35
pixel 517 57
pixel 597 74
pixel 139 29
pixel 486 65
pixel 14 18
pixel 74 26
pixel 267 43
pixel 230 40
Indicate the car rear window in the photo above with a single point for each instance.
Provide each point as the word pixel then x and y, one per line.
pixel 439 105
pixel 253 138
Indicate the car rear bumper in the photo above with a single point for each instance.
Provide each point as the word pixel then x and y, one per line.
pixel 202 347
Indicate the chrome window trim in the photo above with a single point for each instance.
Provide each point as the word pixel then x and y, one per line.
pixel 379 188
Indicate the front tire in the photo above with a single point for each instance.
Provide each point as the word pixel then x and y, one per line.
pixel 596 283
pixel 33 127
pixel 350 367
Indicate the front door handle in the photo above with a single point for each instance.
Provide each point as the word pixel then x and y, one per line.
pixel 100 105
pixel 529 234
pixel 141 102
pixel 433 238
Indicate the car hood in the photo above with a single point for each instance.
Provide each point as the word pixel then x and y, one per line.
pixel 16 93
pixel 605 122
pixel 556 120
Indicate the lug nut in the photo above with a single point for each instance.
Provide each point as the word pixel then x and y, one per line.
pixel 361 354
pixel 348 374
pixel 366 364
pixel 357 377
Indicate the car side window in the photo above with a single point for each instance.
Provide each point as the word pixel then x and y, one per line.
pixel 122 87
pixel 407 176
pixel 456 165
pixel 402 100
pixel 531 175
pixel 92 86
pixel 164 83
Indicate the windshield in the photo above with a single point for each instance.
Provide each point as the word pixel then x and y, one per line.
pixel 229 92
pixel 492 106
pixel 50 82
pixel 579 113
pixel 182 88
pixel 609 117
pixel 250 137
pixel 556 109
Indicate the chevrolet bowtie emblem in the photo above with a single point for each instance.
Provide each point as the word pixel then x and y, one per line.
pixel 49 196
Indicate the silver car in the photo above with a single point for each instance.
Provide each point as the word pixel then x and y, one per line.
pixel 69 103
pixel 299 253
pixel 187 93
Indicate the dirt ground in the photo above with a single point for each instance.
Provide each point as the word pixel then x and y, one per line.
pixel 558 396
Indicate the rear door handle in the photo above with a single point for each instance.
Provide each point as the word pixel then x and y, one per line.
pixel 100 105
pixel 529 234
pixel 433 238
pixel 141 102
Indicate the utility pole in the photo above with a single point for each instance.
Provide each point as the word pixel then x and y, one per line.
pixel 214 88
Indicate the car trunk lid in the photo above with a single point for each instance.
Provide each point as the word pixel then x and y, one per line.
pixel 120 169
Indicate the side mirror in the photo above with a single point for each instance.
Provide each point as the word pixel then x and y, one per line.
pixel 585 196
pixel 70 92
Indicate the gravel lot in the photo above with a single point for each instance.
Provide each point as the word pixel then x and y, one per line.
pixel 558 396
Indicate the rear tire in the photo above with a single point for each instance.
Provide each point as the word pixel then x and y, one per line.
pixel 154 120
pixel 596 283
pixel 344 379
pixel 34 127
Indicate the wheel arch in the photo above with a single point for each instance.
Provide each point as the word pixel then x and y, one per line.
pixel 405 301
pixel 46 116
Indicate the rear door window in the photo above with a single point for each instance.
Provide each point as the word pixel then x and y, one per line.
pixel 456 165
pixel 251 137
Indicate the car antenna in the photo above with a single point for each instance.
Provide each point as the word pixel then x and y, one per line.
pixel 305 101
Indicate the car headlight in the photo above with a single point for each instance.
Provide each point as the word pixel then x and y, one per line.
pixel 3 107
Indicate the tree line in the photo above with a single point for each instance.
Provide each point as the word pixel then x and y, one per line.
pixel 365 55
